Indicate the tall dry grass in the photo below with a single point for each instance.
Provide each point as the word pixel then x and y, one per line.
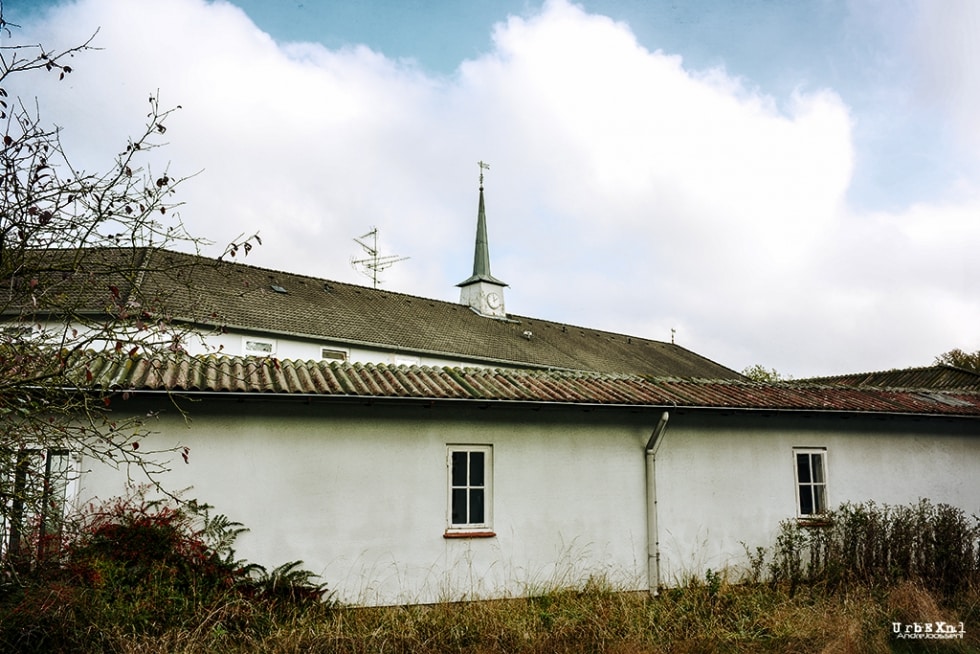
pixel 596 618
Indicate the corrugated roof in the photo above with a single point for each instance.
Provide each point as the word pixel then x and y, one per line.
pixel 240 297
pixel 225 375
pixel 935 377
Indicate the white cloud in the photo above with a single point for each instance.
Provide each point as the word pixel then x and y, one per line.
pixel 626 192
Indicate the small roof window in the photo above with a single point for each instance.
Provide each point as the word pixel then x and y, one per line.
pixel 278 289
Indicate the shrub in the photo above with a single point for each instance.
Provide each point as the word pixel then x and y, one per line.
pixel 144 567
pixel 880 545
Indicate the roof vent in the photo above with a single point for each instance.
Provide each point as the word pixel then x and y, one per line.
pixel 278 289
pixel 527 334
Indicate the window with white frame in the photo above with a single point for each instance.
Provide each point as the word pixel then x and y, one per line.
pixel 34 497
pixel 470 488
pixel 811 481
pixel 259 347
pixel 331 354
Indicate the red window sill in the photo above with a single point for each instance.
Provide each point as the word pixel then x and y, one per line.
pixel 480 533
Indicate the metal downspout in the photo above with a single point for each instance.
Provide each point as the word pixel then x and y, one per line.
pixel 653 536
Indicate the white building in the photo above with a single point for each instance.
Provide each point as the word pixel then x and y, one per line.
pixel 412 450
pixel 406 484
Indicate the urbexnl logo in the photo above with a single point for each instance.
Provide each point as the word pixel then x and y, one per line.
pixel 927 630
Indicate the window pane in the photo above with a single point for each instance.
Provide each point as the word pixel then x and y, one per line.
pixel 476 468
pixel 806 500
pixel 817 467
pixel 56 484
pixel 803 468
pixel 459 469
pixel 820 499
pixel 19 501
pixel 476 506
pixel 459 506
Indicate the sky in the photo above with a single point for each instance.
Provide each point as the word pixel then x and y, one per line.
pixel 789 184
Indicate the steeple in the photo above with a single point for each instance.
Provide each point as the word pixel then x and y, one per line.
pixel 481 290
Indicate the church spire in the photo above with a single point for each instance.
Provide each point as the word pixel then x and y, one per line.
pixel 481 290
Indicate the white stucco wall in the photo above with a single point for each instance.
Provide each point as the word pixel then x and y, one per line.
pixel 232 343
pixel 728 480
pixel 360 495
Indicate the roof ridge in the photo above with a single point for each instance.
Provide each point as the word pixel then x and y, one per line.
pixel 938 366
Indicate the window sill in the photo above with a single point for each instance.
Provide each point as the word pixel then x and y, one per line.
pixel 813 521
pixel 469 533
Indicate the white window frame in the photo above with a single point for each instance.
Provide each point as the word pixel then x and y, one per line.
pixel 815 488
pixel 258 340
pixel 467 487
pixel 333 354
pixel 42 533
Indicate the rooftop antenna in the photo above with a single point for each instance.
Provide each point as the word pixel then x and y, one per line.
pixel 371 265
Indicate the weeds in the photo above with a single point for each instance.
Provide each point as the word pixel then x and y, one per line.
pixel 737 619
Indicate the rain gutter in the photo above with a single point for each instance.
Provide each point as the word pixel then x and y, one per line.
pixel 585 406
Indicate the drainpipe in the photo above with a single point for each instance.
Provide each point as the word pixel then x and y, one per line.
pixel 653 536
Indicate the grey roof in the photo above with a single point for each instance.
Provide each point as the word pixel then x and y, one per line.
pixel 940 377
pixel 262 376
pixel 239 297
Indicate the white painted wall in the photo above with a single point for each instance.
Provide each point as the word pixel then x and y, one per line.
pixel 725 480
pixel 296 348
pixel 232 343
pixel 359 493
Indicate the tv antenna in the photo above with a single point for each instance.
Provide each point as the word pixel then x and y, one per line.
pixel 371 265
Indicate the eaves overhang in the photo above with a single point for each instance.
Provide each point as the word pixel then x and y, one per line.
pixel 472 279
pixel 536 404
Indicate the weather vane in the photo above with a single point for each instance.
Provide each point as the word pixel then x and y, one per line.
pixel 483 166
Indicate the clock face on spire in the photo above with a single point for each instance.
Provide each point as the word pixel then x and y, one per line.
pixel 493 300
